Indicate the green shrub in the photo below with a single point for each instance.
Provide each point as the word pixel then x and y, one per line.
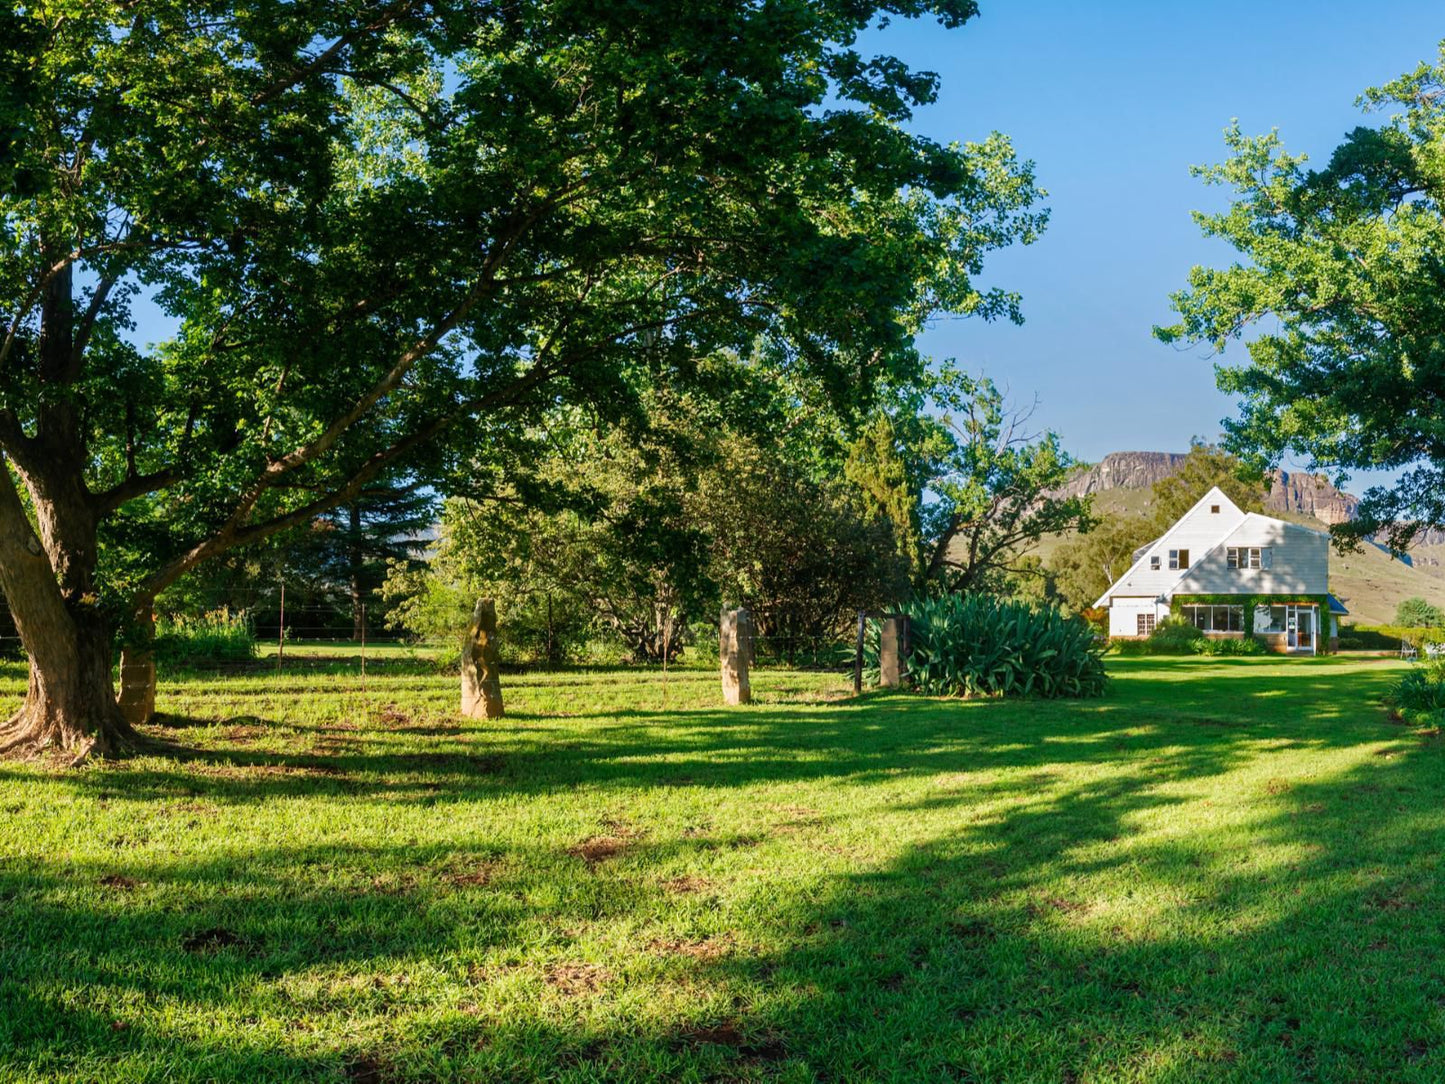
pixel 217 636
pixel 978 645
pixel 1244 645
pixel 1389 637
pixel 1419 696
pixel 1351 643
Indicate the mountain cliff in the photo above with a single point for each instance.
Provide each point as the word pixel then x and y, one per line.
pixel 1289 491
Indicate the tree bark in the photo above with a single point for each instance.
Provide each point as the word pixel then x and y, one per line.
pixel 69 702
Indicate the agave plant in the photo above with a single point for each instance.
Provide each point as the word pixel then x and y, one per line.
pixel 978 645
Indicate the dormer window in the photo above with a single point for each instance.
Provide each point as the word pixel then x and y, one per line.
pixel 1179 559
pixel 1154 563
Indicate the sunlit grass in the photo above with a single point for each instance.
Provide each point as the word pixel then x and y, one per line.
pixel 1224 870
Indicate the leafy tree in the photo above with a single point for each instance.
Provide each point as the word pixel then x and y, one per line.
pixel 967 489
pixel 645 533
pixel 1204 467
pixel 1340 289
pixel 1417 613
pixel 379 224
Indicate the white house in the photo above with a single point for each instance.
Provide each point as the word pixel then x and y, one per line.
pixel 1231 574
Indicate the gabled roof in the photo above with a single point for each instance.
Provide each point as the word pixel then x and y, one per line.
pixel 1214 496
pixel 1249 519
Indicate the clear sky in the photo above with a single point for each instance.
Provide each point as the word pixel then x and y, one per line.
pixel 1114 101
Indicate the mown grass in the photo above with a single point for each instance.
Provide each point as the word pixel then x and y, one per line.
pixel 1225 870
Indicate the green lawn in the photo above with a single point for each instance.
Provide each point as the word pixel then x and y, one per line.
pixel 1225 870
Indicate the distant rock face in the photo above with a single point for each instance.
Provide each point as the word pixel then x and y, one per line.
pixel 1289 491
pixel 1122 470
pixel 1311 495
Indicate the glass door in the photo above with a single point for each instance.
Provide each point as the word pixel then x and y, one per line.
pixel 1300 628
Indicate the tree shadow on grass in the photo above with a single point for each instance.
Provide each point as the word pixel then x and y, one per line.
pixel 1052 924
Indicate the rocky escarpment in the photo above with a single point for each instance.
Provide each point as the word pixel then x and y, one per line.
pixel 1310 495
pixel 1289 491
pixel 1122 470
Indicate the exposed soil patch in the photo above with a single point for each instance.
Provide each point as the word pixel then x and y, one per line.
pixel 707 948
pixel 364 1071
pixel 213 940
pixel 597 849
pixel 120 882
pixel 686 884
pixel 473 875
pixel 759 1048
pixel 575 980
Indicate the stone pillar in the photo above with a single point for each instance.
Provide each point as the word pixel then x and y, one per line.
pixel 137 697
pixel 481 664
pixel 893 651
pixel 735 651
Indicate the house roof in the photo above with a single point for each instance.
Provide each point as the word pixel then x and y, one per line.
pixel 1214 496
pixel 1336 606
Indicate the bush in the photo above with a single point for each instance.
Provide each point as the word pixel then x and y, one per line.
pixel 1389 637
pixel 1418 613
pixel 1419 696
pixel 1172 636
pixel 1351 643
pixel 978 645
pixel 217 636
pixel 1245 645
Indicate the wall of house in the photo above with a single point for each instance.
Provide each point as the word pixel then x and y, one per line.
pixel 1124 614
pixel 1196 532
pixel 1299 562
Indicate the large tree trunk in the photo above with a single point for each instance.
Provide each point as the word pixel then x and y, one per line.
pixel 69 704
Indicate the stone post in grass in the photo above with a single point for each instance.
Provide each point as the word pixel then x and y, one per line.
pixel 735 650
pixel 482 664
pixel 893 651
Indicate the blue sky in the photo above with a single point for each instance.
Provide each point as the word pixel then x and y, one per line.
pixel 1114 101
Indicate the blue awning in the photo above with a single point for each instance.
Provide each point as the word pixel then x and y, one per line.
pixel 1336 606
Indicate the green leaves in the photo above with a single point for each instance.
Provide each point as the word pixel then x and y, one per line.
pixel 980 645
pixel 1338 298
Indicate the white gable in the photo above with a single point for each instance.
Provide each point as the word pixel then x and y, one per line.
pixel 1295 559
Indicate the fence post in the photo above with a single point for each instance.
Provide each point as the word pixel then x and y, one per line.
pixel 858 655
pixel 481 664
pixel 889 668
pixel 735 649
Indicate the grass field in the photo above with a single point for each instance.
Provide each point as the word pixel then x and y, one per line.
pixel 1225 870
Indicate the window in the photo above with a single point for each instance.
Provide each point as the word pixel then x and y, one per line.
pixel 1178 558
pixel 1154 563
pixel 1215 618
pixel 1144 624
pixel 1214 509
pixel 1246 557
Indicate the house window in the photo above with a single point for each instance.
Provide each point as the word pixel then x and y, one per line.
pixel 1144 624
pixel 1245 557
pixel 1215 618
pixel 1214 509
pixel 1178 558
pixel 1154 563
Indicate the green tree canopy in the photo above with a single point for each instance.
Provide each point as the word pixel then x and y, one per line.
pixel 375 225
pixel 968 489
pixel 1339 294
pixel 1418 613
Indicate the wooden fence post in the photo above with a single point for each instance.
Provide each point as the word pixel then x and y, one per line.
pixel 481 665
pixel 858 656
pixel 735 650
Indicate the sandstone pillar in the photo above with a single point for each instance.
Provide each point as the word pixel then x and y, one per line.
pixel 735 651
pixel 481 665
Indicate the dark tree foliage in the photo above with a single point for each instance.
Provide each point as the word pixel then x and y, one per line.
pixel 380 224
